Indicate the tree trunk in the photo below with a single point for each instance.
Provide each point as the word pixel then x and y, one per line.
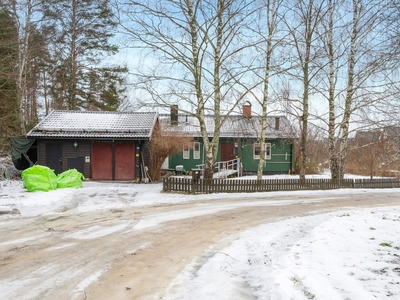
pixel 271 16
pixel 333 159
pixel 349 92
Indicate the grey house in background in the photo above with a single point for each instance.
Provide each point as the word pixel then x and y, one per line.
pixel 100 145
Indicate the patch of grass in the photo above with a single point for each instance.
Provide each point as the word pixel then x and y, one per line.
pixel 364 279
pixel 308 294
pixel 385 244
pixel 372 239
pixel 345 215
pixel 395 262
pixel 372 228
pixel 379 271
pixel 297 281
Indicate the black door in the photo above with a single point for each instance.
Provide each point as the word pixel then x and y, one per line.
pixel 54 157
pixel 77 163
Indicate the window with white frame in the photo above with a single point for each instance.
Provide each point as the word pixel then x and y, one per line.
pixel 257 150
pixel 186 153
pixel 196 150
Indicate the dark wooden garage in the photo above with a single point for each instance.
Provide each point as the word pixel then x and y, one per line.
pixel 101 145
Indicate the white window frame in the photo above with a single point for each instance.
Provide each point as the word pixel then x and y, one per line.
pixel 196 150
pixel 267 147
pixel 186 153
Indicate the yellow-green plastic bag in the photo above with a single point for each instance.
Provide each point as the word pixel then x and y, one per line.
pixel 39 178
pixel 70 179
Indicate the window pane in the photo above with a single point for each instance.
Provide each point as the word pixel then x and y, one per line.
pixel 186 153
pixel 257 150
pixel 268 151
pixel 196 150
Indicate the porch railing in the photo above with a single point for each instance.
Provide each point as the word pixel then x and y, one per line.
pixel 224 169
pixel 227 168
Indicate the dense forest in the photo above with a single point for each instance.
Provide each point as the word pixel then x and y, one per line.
pixel 55 55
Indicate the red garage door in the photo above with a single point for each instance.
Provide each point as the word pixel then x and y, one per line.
pixel 124 161
pixel 102 161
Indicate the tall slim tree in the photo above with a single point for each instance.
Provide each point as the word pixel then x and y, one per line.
pixel 302 21
pixel 329 34
pixel 80 33
pixel 269 66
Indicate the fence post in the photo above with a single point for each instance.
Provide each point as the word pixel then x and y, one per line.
pixel 166 185
pixel 193 186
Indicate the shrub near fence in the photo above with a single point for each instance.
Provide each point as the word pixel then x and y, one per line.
pixel 189 185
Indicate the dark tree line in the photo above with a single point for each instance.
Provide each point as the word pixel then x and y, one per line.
pixel 8 90
pixel 56 55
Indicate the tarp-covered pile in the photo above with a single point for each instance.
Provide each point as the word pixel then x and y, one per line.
pixel 20 148
pixel 70 179
pixel 41 178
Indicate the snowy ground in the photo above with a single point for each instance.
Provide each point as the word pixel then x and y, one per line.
pixel 351 254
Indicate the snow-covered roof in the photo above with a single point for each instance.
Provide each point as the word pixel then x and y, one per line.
pixel 368 136
pixel 234 126
pixel 95 124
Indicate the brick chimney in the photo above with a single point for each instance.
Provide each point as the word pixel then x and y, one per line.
pixel 277 125
pixel 174 114
pixel 247 109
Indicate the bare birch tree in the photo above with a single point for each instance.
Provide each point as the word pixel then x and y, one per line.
pixel 333 159
pixel 26 15
pixel 194 54
pixel 330 35
pixel 368 64
pixel 269 41
pixel 302 21
pixel 356 73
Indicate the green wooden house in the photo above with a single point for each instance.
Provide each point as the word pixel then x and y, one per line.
pixel 239 138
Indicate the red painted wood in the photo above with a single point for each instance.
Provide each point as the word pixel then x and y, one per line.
pixel 227 151
pixel 102 161
pixel 124 161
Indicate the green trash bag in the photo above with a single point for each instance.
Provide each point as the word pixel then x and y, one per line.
pixel 39 178
pixel 70 179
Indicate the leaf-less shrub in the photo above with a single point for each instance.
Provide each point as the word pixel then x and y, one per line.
pixel 163 144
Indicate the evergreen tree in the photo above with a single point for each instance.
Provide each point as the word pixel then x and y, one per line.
pixel 105 88
pixel 80 32
pixel 9 123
